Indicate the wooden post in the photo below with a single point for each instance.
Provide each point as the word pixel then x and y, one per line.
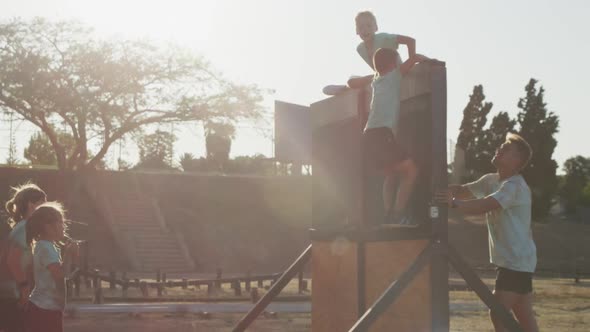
pixel 160 288
pixel 158 275
pixel 112 277
pixel 218 277
pixel 137 282
pixel 77 285
pixel 87 281
pixel 143 287
pixel 69 289
pixel 96 280
pixel 98 294
pixel 247 285
pixel 184 283
pixel 124 288
pixel 237 288
pixel 300 282
pixel 86 254
pixel 210 289
pixel 304 286
pixel 254 295
pixel 260 283
pixel 125 285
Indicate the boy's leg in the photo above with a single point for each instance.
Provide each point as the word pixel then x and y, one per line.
pixel 523 310
pixel 515 291
pixel 508 300
pixel 389 187
pixel 408 173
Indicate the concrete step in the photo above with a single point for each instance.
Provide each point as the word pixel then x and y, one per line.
pixel 171 257
pixel 158 251
pixel 164 264
pixel 148 237
pixel 158 247
pixel 145 227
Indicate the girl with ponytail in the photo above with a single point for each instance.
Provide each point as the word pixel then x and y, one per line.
pixel 16 258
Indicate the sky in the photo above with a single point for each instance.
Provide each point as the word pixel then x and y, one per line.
pixel 297 47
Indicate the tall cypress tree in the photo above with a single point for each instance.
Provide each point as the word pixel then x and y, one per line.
pixel 577 175
pixel 539 126
pixel 471 134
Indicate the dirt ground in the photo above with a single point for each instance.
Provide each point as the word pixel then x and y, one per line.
pixel 561 305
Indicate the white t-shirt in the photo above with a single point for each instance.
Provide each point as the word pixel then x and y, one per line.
pixel 380 40
pixel 46 295
pixel 510 235
pixel 385 104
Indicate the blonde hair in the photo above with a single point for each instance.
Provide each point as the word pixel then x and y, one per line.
pixel 22 195
pixel 46 213
pixel 365 13
pixel 523 147
pixel 383 59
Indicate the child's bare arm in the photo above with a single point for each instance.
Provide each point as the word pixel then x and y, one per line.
pixel 410 44
pixel 15 268
pixel 408 64
pixel 360 82
pixel 58 275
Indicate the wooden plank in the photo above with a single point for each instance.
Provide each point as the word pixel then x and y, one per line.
pixel 386 262
pixel 392 295
pixel 334 294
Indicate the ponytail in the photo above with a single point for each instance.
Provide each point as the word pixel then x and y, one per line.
pixel 17 207
pixel 10 209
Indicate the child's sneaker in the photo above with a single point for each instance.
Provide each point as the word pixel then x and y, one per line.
pixel 407 221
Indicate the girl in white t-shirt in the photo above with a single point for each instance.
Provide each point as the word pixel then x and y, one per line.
pixel 48 298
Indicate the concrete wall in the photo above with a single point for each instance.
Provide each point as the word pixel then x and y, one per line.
pixel 257 223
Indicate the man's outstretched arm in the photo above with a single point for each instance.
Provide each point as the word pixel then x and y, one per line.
pixel 470 206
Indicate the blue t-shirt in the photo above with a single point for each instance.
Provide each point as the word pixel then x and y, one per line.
pixel 46 294
pixel 385 104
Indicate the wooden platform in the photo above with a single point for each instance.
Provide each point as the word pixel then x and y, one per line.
pixel 336 285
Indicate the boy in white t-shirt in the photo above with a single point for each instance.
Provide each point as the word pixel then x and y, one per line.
pixel 381 151
pixel 505 198
pixel 366 29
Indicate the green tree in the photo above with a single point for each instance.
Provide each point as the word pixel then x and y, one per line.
pixel 218 139
pixel 539 126
pixel 12 159
pixel 40 152
pixel 56 74
pixel 253 165
pixel 576 179
pixel 156 150
pixel 187 161
pixel 472 135
pixel 585 199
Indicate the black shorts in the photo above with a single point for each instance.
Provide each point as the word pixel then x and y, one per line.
pixel 514 281
pixel 381 150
